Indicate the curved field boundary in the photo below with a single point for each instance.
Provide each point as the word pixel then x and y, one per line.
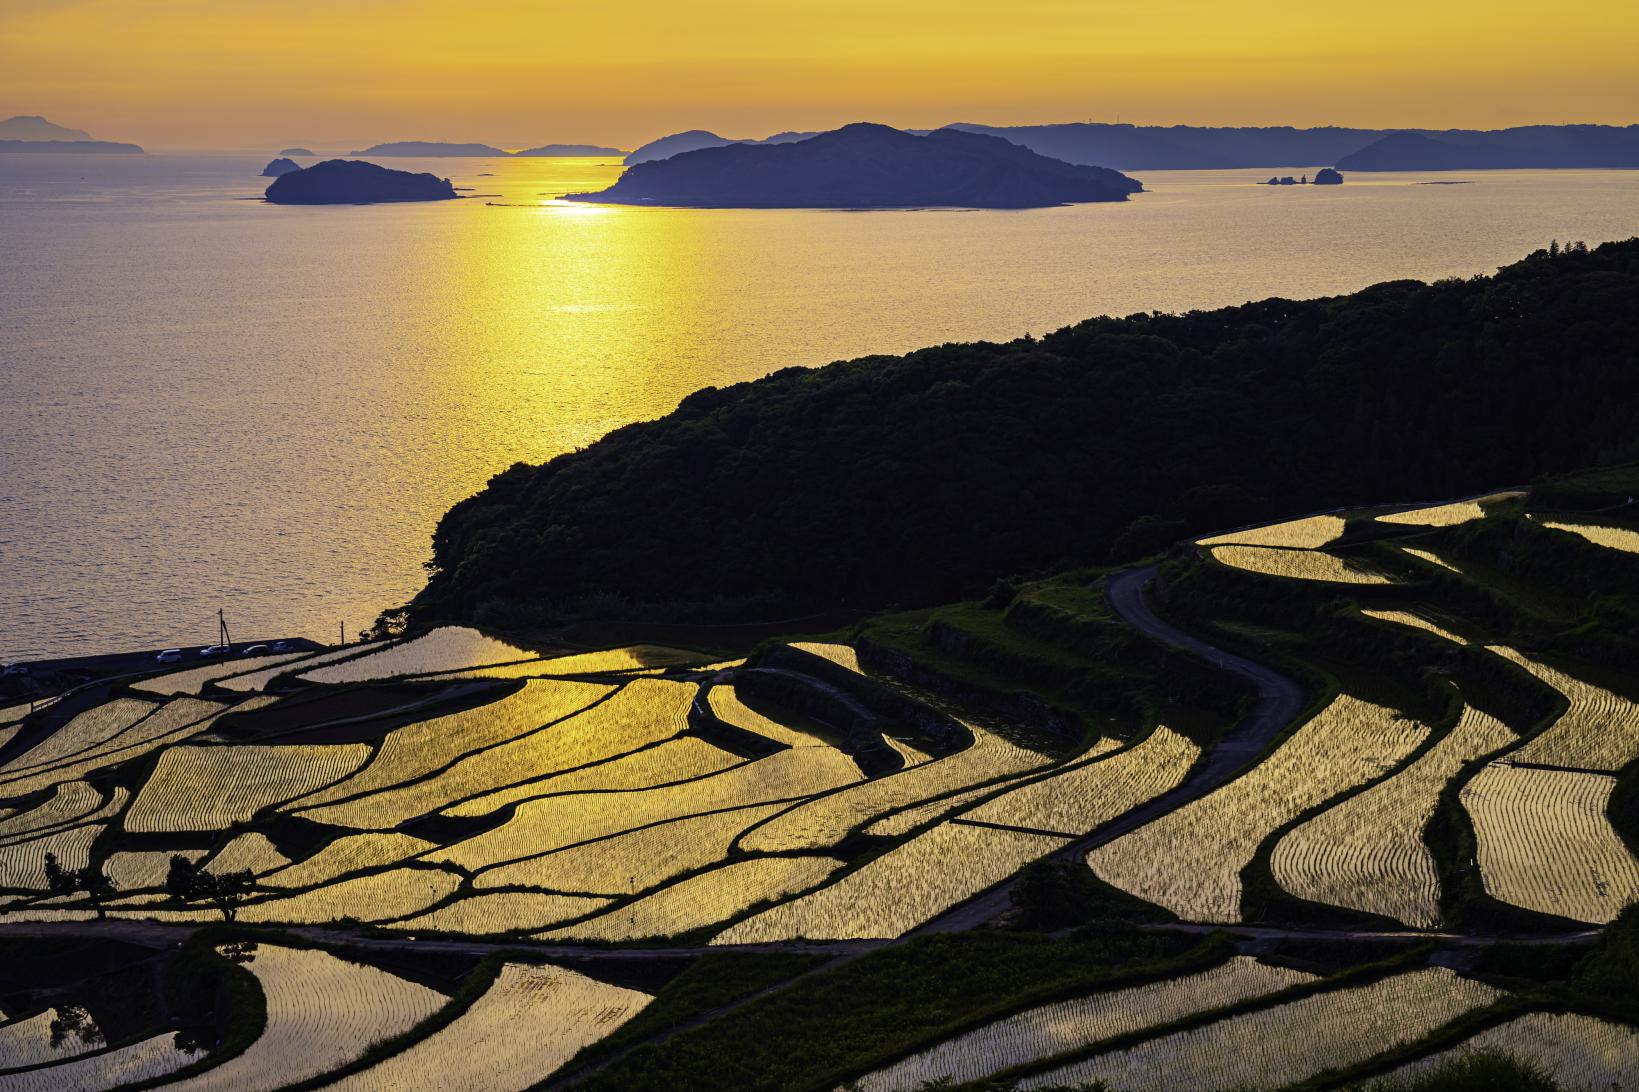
pixel 1190 860
pixel 486 1047
pixel 1543 842
pixel 322 1012
pixel 1367 852
pixel 1065 1026
pixel 1318 1032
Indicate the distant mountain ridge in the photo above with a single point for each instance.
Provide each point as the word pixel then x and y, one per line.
pixel 487 151
pixel 1525 147
pixel 865 166
pixel 695 139
pixel 1188 147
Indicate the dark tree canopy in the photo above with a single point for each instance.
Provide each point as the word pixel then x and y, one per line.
pixel 915 479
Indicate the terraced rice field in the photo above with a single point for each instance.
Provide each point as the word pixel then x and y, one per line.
pixel 1543 842
pixel 147 1060
pixel 29 1041
pixel 22 864
pixel 1367 853
pixel 174 722
pixel 538 826
pixel 703 900
pixel 212 788
pixel 1190 860
pixel 482 1049
pixel 1416 621
pixel 1612 538
pixel 842 655
pixel 503 912
pixel 1304 534
pixel 628 863
pixel 134 870
pixel 251 850
pixel 1430 557
pixel 322 1012
pixel 347 854
pixel 376 896
pixel 69 801
pixel 254 681
pixel 83 731
pixel 1439 515
pixel 824 822
pixel 448 648
pixel 1581 1053
pixel 1043 1032
pixel 635 658
pixel 638 716
pixel 1600 730
pixel 1293 564
pixel 673 760
pixel 728 707
pixel 1082 798
pixel 903 822
pixel 194 679
pixel 1323 1031
pixel 900 889
pixel 425 747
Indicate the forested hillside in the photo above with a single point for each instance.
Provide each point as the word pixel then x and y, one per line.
pixel 904 480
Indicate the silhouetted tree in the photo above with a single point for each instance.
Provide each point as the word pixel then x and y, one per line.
pixel 97 887
pixel 189 882
pixel 76 1021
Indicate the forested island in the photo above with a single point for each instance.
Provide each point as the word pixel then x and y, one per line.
pixel 351 182
pixel 865 166
pixel 922 478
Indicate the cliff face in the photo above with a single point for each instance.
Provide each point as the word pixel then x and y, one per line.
pixel 350 182
pixel 866 166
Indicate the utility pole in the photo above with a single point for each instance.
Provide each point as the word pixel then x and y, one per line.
pixel 222 637
pixel 343 631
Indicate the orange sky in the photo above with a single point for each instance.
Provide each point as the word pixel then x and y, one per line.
pixel 338 74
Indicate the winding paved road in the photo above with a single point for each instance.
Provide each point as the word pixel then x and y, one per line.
pixel 1279 702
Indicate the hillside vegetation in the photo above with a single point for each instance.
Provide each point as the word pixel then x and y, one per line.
pixel 919 479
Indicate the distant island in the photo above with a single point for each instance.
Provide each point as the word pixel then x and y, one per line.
pixel 431 148
pixel 295 151
pixel 35 127
pixel 1328 176
pixel 70 146
pixel 280 167
pixel 350 182
pixel 865 166
pixel 33 133
pixel 547 150
pixel 1528 147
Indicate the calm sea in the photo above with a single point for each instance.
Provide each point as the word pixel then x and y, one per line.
pixel 211 402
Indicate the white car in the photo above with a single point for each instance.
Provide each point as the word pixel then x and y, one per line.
pixel 213 650
pixel 169 656
pixel 254 650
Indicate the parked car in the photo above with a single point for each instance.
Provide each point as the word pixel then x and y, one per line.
pixel 254 650
pixel 169 656
pixel 13 669
pixel 283 646
pixel 213 650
